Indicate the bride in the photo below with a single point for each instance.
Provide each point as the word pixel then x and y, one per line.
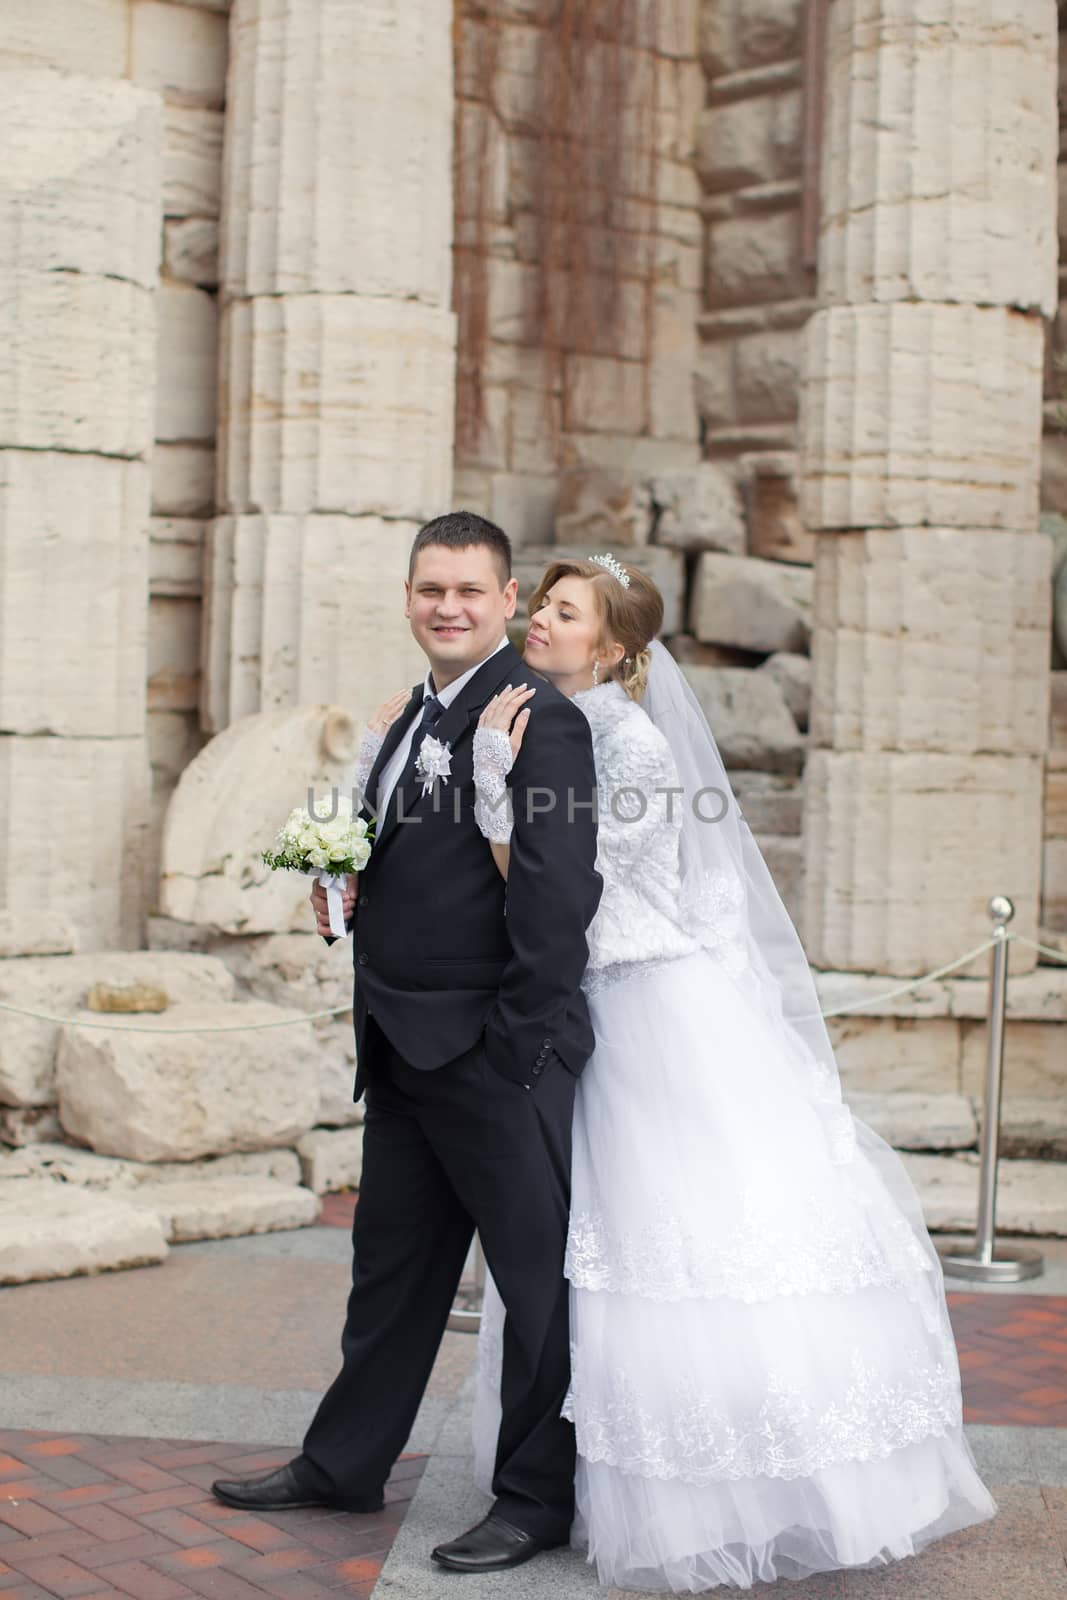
pixel 764 1379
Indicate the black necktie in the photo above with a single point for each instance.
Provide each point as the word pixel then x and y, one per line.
pixel 432 712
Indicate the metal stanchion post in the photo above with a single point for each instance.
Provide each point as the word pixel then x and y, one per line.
pixel 985 1263
pixel 467 1317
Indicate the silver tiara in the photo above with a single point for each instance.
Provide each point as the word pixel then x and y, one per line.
pixel 609 563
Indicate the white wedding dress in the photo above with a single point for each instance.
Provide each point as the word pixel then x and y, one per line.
pixel 765 1382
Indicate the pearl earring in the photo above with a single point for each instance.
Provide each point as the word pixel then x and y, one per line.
pixel 596 672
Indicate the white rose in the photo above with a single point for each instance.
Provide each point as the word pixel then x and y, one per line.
pixel 318 858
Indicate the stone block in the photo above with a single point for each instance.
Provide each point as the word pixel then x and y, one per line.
pixel 792 674
pixel 671 401
pixel 690 652
pixel 85 36
pixel 535 422
pixel 755 257
pixel 602 509
pixel 97 793
pixel 1054 883
pixel 932 639
pixel 921 414
pixel 179 50
pixel 771 803
pixel 176 556
pixel 331 1159
pixel 1031 1195
pixel 1034 1126
pixel 49 1231
pixel 911 1120
pixel 775 530
pixel 81 174
pixel 1035 1061
pixel 734 148
pixel 603 395
pixel 183 480
pixel 749 718
pixel 186 351
pixel 1057 729
pixel 338 403
pixel 339 171
pixel 173 653
pixel 192 161
pixel 174 738
pixel 883 1055
pixel 922 201
pixel 65 1163
pixel 767 31
pixel 753 604
pixel 227 808
pixel 1037 995
pixel 899 849
pixel 270 642
pixel 167 1095
pixel 697 509
pixel 713 384
pixel 59 985
pixel 767 367
pixel 21 1125
pixel 191 250
pixel 72 594
pixel 665 567
pixel 524 504
pixel 225 1208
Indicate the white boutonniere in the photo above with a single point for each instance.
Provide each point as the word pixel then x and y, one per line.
pixel 434 761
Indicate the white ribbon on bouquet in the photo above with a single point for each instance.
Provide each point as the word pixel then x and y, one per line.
pixel 334 884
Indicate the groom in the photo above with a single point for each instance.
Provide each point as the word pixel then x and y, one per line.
pixel 471 1031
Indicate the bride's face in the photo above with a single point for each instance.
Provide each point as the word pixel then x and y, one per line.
pixel 565 636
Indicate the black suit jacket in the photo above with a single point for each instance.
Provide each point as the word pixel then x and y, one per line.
pixel 446 952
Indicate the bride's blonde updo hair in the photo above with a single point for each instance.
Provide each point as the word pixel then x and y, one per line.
pixel 631 617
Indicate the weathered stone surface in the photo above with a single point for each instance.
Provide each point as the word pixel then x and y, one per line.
pixel 1031 1195
pixel 341 149
pixel 98 793
pixel 65 1163
pixel 665 567
pixel 337 1076
pixel 191 250
pixel 1034 996
pixel 521 503
pixel 757 605
pixel 122 997
pixel 879 1055
pixel 932 639
pixel 924 201
pixel 81 175
pixel 292 969
pixel 602 509
pixel 698 509
pixel 771 804
pixel 688 651
pixel 225 1207
pixel 1035 1061
pixel 767 376
pixel 228 808
pixel 921 414
pixel 605 395
pixel 59 985
pixel 792 674
pixel 1033 1126
pixel 331 1159
pixel 271 643
pixel 179 50
pixel 73 532
pixel 1057 732
pixel 173 667
pixel 889 835
pixel 912 1120
pixel 21 1125
pixel 165 1095
pixel 43 934
pixel 1054 883
pixel 775 530
pixel 48 1231
pixel 192 161
pixel 749 718
pixel 754 257
pixel 183 480
pixel 186 347
pixel 744 142
pixel 336 402
pixel 85 36
pixel 176 556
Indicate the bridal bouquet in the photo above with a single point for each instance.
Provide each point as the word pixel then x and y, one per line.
pixel 328 851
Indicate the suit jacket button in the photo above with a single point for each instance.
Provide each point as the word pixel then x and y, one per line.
pixel 546 1044
pixel 538 1070
pixel 363 900
pixel 363 959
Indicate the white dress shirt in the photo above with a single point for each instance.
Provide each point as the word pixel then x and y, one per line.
pixel 397 762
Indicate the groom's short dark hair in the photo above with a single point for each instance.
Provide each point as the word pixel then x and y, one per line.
pixel 459 530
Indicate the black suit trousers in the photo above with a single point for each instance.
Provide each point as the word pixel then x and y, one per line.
pixel 446 1152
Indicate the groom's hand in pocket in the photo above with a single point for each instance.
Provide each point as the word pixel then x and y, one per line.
pixel 321 909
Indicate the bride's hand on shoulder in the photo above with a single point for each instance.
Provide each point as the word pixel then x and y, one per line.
pixel 508 712
pixel 388 711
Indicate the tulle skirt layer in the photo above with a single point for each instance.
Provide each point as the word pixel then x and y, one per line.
pixel 764 1378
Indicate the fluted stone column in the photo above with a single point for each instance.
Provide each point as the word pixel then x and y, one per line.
pixel 920 441
pixel 79 249
pixel 337 348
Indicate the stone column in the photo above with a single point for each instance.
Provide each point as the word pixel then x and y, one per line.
pixel 920 438
pixel 79 249
pixel 338 348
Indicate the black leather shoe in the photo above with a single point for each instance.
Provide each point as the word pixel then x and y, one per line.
pixel 491 1546
pixel 280 1490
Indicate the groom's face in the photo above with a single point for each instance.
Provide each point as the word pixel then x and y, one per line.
pixel 458 608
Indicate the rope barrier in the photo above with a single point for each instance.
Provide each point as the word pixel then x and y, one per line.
pixel 345 1010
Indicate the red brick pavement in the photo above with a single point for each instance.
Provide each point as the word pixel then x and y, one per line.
pixel 1013 1357
pixel 89 1517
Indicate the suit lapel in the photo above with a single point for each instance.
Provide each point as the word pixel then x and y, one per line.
pixel 393 736
pixel 451 728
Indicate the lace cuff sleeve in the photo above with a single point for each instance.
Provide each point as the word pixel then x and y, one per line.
pixel 366 756
pixel 492 799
